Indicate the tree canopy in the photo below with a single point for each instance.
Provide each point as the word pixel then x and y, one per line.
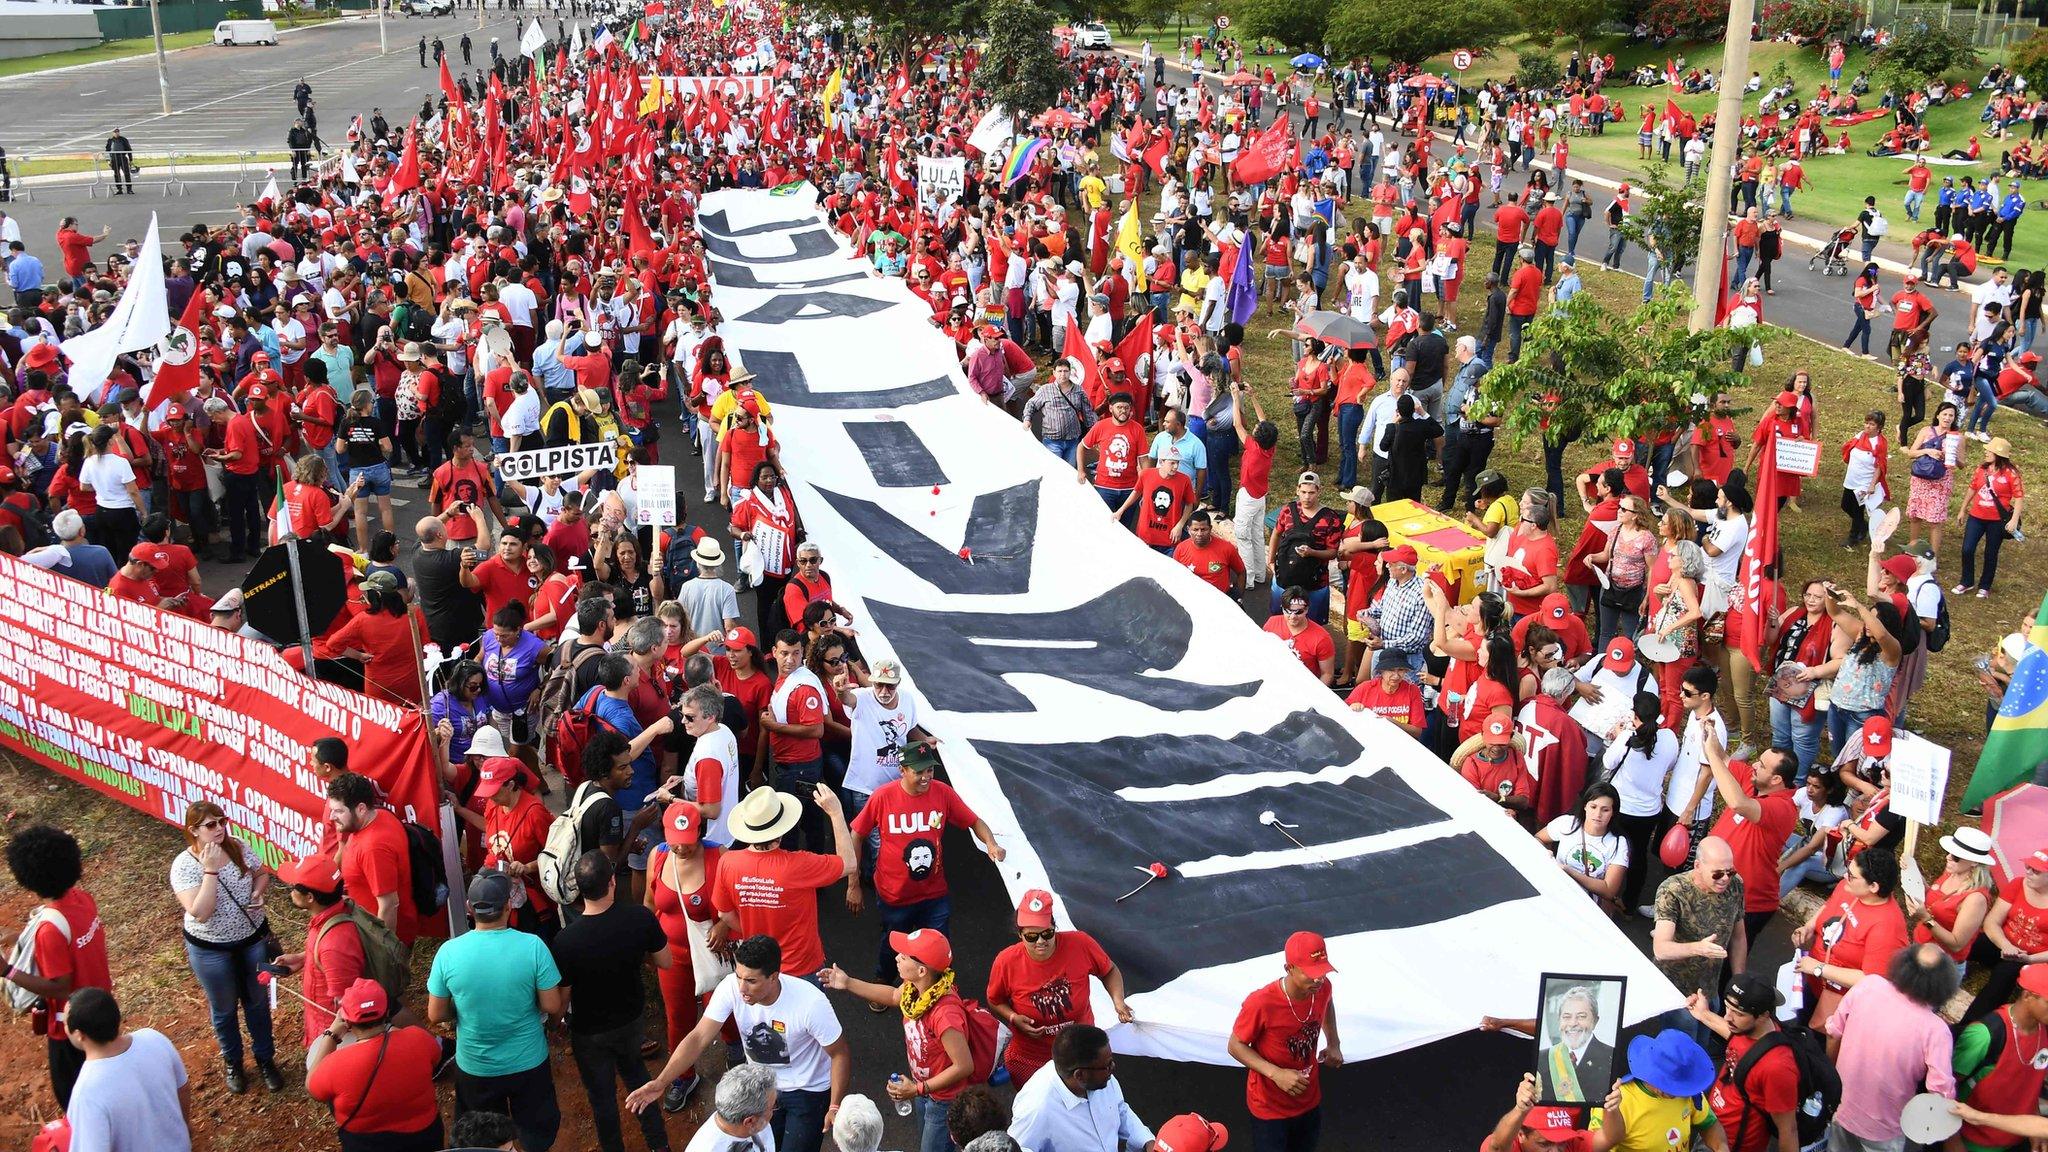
pixel 1411 33
pixel 1020 70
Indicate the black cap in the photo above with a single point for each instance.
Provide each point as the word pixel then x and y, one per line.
pixel 1754 994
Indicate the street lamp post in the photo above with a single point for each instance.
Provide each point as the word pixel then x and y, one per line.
pixel 163 75
pixel 383 45
pixel 1720 178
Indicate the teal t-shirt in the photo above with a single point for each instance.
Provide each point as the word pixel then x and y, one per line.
pixel 492 977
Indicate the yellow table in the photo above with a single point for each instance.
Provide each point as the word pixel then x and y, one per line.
pixel 1438 539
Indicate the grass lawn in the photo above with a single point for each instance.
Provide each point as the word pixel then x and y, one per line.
pixel 1950 709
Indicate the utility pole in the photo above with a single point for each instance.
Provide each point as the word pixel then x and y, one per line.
pixel 383 45
pixel 479 15
pixel 1727 142
pixel 163 75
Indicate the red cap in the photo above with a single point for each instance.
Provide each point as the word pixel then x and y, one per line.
pixel 258 392
pixel 1035 909
pixel 2030 357
pixel 1405 554
pixel 741 637
pixel 495 773
pixel 1191 1133
pixel 1306 951
pixel 259 358
pixel 1902 567
pixel 1553 1123
pixel 2034 978
pixel 1557 605
pixel 54 1137
pixel 2038 862
pixel 364 1002
pixel 175 412
pixel 927 946
pixel 6 474
pixel 41 354
pixel 1788 399
pixel 318 872
pixel 749 402
pixel 1621 655
pixel 150 554
pixel 1877 737
pixel 1499 730
pixel 682 823
pixel 1623 448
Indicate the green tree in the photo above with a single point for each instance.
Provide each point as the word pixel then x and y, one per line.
pixel 1537 70
pixel 1020 70
pixel 1411 33
pixel 1571 20
pixel 904 26
pixel 1298 24
pixel 2030 59
pixel 1922 52
pixel 1596 373
pixel 1664 217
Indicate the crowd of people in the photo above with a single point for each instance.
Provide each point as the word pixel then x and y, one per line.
pixel 648 777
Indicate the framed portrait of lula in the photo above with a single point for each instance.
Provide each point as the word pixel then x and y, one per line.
pixel 1578 1019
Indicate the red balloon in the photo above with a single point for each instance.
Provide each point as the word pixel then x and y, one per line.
pixel 1676 845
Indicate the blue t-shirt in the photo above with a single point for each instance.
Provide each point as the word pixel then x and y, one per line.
pixel 492 977
pixel 1193 453
pixel 510 677
pixel 90 563
pixel 619 715
pixel 462 717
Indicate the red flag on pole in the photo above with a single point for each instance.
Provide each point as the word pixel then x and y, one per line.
pixel 1077 350
pixel 1155 156
pixel 1762 550
pixel 1137 342
pixel 177 356
pixel 1268 154
pixel 406 176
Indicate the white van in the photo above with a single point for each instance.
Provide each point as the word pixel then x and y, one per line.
pixel 232 32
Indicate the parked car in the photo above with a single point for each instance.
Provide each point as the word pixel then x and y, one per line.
pixel 429 7
pixel 232 32
pixel 1091 36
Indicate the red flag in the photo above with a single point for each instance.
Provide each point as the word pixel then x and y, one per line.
pixel 1671 74
pixel 1137 342
pixel 1761 550
pixel 177 362
pixel 1098 241
pixel 1155 156
pixel 1269 153
pixel 638 240
pixel 406 176
pixel 1077 350
pixel 1672 113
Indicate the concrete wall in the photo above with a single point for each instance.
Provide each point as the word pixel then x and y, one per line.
pixel 34 30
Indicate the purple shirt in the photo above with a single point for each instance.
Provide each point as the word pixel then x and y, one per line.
pixel 985 372
pixel 1888 1044
pixel 510 677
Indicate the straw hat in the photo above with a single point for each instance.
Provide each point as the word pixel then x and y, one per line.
pixel 764 816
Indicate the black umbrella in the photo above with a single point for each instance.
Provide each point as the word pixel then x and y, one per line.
pixel 267 591
pixel 1336 329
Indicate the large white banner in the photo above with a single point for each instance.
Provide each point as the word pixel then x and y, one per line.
pixel 730 89
pixel 1102 708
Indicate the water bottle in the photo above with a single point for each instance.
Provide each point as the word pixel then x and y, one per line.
pixel 903 1107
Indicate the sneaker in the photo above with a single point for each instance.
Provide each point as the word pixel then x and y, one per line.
pixel 1647 911
pixel 1745 752
pixel 1983 593
pixel 678 1095
pixel 1960 589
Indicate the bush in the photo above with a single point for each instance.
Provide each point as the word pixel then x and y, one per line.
pixel 1921 52
pixel 1690 19
pixel 1805 19
pixel 2030 60
pixel 1536 71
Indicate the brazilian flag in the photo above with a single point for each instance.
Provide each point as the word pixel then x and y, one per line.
pixel 2018 742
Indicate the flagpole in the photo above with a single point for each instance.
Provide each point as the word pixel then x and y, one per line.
pixel 163 76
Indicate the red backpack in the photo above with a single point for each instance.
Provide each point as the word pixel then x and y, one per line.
pixel 981 1040
pixel 572 732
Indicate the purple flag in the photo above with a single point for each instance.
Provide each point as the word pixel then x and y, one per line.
pixel 1244 290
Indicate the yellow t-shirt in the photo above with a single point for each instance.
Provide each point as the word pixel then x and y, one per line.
pixel 1505 511
pixel 1094 192
pixel 1192 283
pixel 1659 1123
pixel 727 404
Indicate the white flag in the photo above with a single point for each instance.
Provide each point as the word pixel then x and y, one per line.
pixel 603 39
pixel 994 129
pixel 272 192
pixel 140 319
pixel 533 41
pixel 349 175
pixel 576 40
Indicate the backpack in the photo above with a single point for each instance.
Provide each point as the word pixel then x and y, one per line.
pixel 572 732
pixel 383 954
pixel 981 1040
pixel 1820 1086
pixel 1938 638
pixel 450 405
pixel 557 691
pixel 23 956
pixel 564 845
pixel 429 872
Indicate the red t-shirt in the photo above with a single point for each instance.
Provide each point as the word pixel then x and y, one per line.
pixel 1118 447
pixel 1908 307
pixel 1213 564
pixel 1255 475
pixel 500 585
pixel 518 833
pixel 330 968
pixel 773 894
pixel 241 437
pixel 1773 1084
pixel 1287 1034
pixel 1539 559
pixel 121 587
pixel 398 1078
pixel 558 596
pixel 309 506
pixel 392 671
pixel 1162 500
pixel 83 956
pixel 804 704
pixel 318 412
pixel 1571 633
pixel 1509 777
pixel 1509 221
pixel 1853 934
pixel 1758 844
pixel 922 1039
pixel 1312 647
pixel 467 484
pixel 2026 925
pixel 1404 704
pixel 1992 488
pixel 1051 995
pixel 1486 695
pixel 1525 288
pixel 568 541
pixel 911 866
pixel 374 863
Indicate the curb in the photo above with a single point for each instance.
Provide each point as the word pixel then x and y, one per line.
pixel 90 64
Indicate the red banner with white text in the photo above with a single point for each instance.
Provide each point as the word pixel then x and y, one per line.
pixel 158 710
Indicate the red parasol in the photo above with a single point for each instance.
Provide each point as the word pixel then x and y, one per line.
pixel 1058 119
pixel 2017 820
pixel 1241 79
pixel 1424 80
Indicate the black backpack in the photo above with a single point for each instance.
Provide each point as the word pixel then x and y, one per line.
pixel 429 874
pixel 1290 570
pixel 1938 638
pixel 1820 1086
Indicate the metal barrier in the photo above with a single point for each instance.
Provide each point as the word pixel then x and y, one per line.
pixel 170 173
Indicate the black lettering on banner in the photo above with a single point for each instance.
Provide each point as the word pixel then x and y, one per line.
pixel 558 461
pixel 780 377
pixel 742 276
pixel 1065 797
pixel 894 454
pixel 808 245
pixel 1107 643
pixel 787 306
pixel 716 222
pixel 998 540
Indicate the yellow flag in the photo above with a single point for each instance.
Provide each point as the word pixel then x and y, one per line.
pixel 832 87
pixel 1130 241
pixel 656 98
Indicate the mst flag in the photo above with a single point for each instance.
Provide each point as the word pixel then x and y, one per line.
pixel 177 356
pixel 1267 155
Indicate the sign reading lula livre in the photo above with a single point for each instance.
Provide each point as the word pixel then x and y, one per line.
pixel 940 179
pixel 566 460
pixel 158 710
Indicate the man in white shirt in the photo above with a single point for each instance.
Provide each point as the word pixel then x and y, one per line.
pixel 1688 795
pixel 786 1026
pixel 133 1091
pixel 1075 1104
pixel 1997 290
pixel 739 1114
pixel 1607 691
pixel 885 718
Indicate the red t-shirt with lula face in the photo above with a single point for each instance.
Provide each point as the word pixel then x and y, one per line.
pixel 1118 448
pixel 1051 995
pixel 1162 500
pixel 924 1043
pixel 911 866
pixel 773 893
pixel 1286 1033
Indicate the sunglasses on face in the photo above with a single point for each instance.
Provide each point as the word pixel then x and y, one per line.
pixel 1720 873
pixel 1038 937
pixel 808 561
pixel 216 822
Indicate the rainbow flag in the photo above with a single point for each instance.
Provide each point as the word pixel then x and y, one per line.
pixel 1021 157
pixel 2018 742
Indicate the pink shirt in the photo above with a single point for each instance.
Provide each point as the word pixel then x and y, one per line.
pixel 1888 1043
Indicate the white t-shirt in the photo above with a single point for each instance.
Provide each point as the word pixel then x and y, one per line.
pixel 1586 854
pixel 711 1138
pixel 108 475
pixel 788 1037
pixel 1730 536
pixel 717 745
pixel 1692 761
pixel 130 1101
pixel 522 416
pixel 1640 778
pixel 878 735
